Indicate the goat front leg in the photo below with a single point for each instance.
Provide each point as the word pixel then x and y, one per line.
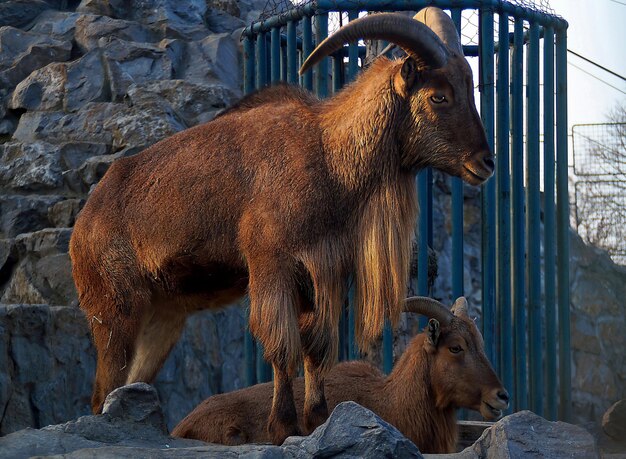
pixel 273 321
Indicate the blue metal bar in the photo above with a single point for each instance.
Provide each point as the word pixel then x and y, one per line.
pixel 533 222
pixel 275 54
pixel 387 347
pixel 488 190
pixel 457 211
pixel 292 53
pixel 321 32
pixel 307 48
pixel 319 6
pixel 248 62
pixel 425 205
pixel 261 61
pixel 517 198
pixel 283 63
pixel 503 192
pixel 549 246
pixel 353 52
pixel 562 228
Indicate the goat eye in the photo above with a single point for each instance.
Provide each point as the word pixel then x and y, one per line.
pixel 455 349
pixel 438 99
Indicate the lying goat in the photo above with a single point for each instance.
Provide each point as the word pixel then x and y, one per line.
pixel 283 197
pixel 443 368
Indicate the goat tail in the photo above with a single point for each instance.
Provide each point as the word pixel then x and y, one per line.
pixel 383 255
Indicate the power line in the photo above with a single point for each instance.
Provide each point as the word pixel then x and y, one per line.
pixel 596 64
pixel 619 3
pixel 597 78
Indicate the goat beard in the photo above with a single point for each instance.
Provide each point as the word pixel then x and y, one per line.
pixel 382 254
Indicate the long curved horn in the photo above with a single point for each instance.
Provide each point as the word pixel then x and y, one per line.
pixel 429 308
pixel 412 36
pixel 443 26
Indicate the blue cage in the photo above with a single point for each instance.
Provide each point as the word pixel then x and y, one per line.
pixel 522 83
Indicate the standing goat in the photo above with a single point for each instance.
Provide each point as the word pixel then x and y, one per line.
pixel 283 196
pixel 442 369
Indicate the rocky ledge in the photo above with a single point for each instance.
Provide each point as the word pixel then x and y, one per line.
pixel 132 425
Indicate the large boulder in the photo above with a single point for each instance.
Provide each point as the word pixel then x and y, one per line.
pixel 28 167
pixel 58 24
pixel 43 273
pixel 114 124
pixel 524 435
pixel 90 28
pixel 20 214
pixel 132 426
pixel 128 63
pixel 18 13
pixel 46 366
pixel 194 103
pixel 22 52
pixel 213 60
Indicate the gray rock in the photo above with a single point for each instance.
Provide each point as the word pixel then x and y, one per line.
pixel 22 214
pixel 353 431
pixel 194 103
pixel 131 426
pixel 128 63
pixel 614 421
pixel 47 366
pixel 63 214
pixel 85 82
pixel 227 6
pixel 138 403
pixel 22 52
pixel 74 154
pixel 175 19
pixel 213 60
pixel 58 24
pixel 90 28
pixel 41 90
pixel 43 273
pixel 30 166
pixel 17 13
pixel 220 21
pixel 524 435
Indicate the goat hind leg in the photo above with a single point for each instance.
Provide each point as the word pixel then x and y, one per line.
pixel 273 321
pixel 160 329
pixel 319 343
pixel 114 338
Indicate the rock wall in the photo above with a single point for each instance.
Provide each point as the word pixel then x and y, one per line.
pixel 84 83
pixel 81 84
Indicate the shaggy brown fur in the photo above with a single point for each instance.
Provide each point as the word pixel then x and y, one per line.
pixel 283 195
pixel 420 396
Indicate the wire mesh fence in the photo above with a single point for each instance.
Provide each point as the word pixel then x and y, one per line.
pixel 599 152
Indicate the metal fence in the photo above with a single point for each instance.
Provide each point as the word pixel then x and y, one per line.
pixel 599 152
pixel 525 297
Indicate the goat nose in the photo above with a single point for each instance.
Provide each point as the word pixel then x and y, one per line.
pixel 503 395
pixel 489 162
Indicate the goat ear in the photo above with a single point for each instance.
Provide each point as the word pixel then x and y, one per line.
pixel 433 332
pixel 408 76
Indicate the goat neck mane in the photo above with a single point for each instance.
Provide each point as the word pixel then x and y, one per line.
pixel 362 151
pixel 410 391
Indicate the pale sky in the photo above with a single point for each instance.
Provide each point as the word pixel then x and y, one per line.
pixel 597 30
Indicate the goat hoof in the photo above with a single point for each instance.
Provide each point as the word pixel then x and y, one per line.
pixel 279 431
pixel 315 417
